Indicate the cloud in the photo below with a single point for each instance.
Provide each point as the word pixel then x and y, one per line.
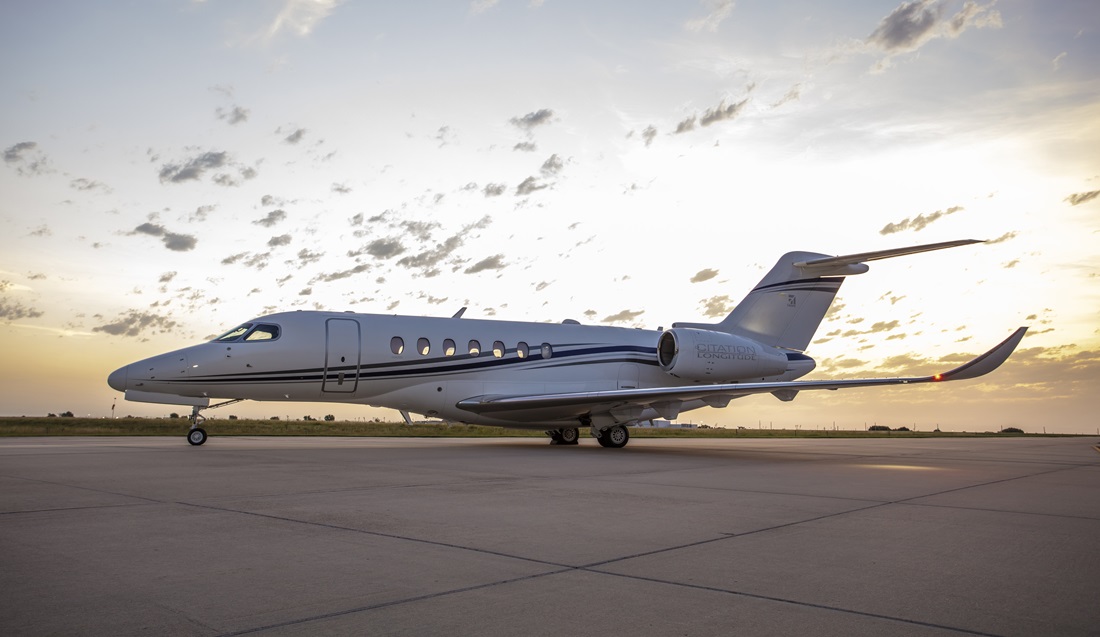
pixel 717 307
pixel 167 277
pixel 281 240
pixel 531 120
pixel 257 261
pixel 301 17
pixel 704 275
pixel 493 190
pixel 134 323
pixel 194 168
pixel 382 248
pixel 481 6
pixel 1079 198
pixel 295 137
pixel 272 218
pixel 918 223
pixel 341 189
pixel 88 184
pixel 495 262
pixel 172 240
pixel 342 274
pixel 306 256
pixel 625 315
pixel 529 186
pixel 42 231
pixel 648 134
pixel 11 310
pixel 201 213
pixel 793 94
pixel 717 11
pixel 1001 239
pixel 427 260
pixel 552 166
pixel 685 125
pixel 722 112
pixel 527 147
pixel 26 159
pixel 913 24
pixel 234 116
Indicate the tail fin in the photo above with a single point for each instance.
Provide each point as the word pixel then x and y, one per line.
pixel 785 309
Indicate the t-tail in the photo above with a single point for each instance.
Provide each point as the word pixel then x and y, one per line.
pixel 785 309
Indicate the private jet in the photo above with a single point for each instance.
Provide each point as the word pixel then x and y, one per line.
pixel 560 377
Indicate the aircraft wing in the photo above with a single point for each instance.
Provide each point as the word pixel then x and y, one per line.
pixel 622 403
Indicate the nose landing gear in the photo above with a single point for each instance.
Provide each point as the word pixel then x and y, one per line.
pixel 196 435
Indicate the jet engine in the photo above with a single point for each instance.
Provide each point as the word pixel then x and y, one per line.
pixel 715 357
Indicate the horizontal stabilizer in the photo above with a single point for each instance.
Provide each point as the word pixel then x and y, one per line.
pixel 851 259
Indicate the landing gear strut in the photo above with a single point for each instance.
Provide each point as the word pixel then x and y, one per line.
pixel 197 435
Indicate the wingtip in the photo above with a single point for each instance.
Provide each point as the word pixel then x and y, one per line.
pixel 987 362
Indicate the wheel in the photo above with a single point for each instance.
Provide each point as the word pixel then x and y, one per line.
pixel 196 436
pixel 568 436
pixel 614 437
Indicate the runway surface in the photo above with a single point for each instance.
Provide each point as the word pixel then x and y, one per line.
pixel 384 536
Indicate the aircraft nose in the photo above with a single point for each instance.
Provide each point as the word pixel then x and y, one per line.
pixel 118 378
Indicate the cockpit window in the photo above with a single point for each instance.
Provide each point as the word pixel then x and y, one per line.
pixel 250 332
pixel 234 333
pixel 263 333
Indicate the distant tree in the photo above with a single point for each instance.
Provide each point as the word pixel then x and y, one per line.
pixel 1012 430
pixel 902 429
pixel 173 415
pixel 66 414
pixel 232 417
pixel 274 417
pixel 308 417
pixel 51 415
pixel 878 428
pixel 329 417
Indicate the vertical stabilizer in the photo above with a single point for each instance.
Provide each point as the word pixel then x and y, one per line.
pixel 787 306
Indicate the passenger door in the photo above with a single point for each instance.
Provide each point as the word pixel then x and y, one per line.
pixel 341 356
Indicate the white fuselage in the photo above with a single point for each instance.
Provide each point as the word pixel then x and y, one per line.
pixel 423 365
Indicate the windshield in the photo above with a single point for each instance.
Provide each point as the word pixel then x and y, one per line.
pixel 250 332
pixel 233 334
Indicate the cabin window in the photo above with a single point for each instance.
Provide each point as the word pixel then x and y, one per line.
pixel 234 333
pixel 498 349
pixel 397 344
pixel 521 350
pixel 475 348
pixel 423 346
pixel 263 333
pixel 448 347
pixel 547 351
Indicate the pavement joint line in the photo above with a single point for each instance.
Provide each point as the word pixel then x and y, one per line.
pixel 986 484
pixel 395 602
pixel 392 536
pixel 99 506
pixel 1006 511
pixel 75 486
pixel 796 602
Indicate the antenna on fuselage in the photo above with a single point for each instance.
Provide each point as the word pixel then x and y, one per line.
pixel 459 313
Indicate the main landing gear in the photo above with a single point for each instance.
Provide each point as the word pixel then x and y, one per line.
pixel 567 436
pixel 614 437
pixel 196 435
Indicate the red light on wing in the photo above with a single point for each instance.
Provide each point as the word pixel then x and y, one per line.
pixel 937 377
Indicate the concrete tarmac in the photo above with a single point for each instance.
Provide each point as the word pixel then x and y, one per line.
pixel 510 536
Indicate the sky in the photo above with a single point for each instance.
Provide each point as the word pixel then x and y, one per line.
pixel 174 168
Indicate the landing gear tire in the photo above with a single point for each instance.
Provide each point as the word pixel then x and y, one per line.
pixel 196 436
pixel 567 436
pixel 614 437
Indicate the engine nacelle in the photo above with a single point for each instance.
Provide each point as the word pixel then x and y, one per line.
pixel 716 357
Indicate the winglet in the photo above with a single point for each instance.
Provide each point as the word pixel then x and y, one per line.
pixel 987 362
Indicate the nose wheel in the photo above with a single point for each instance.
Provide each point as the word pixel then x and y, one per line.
pixel 196 436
